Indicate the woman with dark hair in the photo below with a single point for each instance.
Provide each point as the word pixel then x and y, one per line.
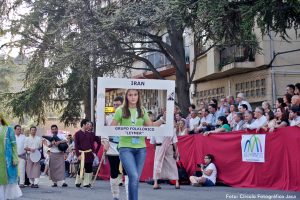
pixel 132 149
pixel 222 124
pixel 281 117
pixel 271 120
pixel 280 103
pixel 287 99
pixel 209 173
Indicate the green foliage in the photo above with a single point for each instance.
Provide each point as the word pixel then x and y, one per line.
pixel 71 41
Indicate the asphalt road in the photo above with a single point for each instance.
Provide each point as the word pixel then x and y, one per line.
pixel 101 191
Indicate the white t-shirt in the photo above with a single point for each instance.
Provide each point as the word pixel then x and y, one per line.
pixel 161 139
pixel 206 119
pixel 295 121
pixel 33 142
pixel 258 123
pixel 213 176
pixel 20 144
pixel 194 122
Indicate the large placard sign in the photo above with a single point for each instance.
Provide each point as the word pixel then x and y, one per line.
pixel 165 87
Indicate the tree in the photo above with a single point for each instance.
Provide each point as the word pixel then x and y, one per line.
pixel 72 41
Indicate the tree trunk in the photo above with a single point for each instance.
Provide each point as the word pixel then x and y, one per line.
pixel 87 103
pixel 178 54
pixel 182 91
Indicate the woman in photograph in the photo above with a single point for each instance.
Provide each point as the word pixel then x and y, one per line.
pixel 132 149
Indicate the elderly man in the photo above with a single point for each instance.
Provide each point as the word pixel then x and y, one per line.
pixel 205 121
pixel 260 121
pixel 242 100
pixel 239 122
pixel 248 118
pixel 295 100
pixel 194 122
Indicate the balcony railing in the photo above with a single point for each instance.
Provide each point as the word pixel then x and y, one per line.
pixel 233 54
pixel 159 60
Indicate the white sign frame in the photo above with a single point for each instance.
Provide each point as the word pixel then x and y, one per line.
pixel 143 84
pixel 256 147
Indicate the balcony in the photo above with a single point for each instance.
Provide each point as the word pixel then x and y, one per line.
pixel 236 57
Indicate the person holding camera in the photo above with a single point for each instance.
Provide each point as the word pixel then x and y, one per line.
pixel 209 173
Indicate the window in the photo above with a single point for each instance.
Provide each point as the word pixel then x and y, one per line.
pixel 258 92
pixel 257 83
pixel 252 89
pixel 263 82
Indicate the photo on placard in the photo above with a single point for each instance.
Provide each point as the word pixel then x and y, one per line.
pixel 152 97
pixel 153 102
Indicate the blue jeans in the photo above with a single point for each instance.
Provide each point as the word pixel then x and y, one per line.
pixel 208 182
pixel 133 162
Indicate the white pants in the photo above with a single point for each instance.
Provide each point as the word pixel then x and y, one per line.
pixel 34 181
pixel 22 164
pixel 10 191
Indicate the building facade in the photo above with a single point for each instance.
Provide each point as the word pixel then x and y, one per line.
pixel 228 71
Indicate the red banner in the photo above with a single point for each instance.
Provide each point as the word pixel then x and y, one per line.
pixel 280 171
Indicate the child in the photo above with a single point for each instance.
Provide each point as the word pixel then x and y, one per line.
pixel 47 157
pixel 73 160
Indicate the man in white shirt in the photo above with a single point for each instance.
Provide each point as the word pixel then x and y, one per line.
pixel 260 121
pixel 194 122
pixel 205 120
pixel 241 100
pixel 295 116
pixel 33 169
pixel 239 122
pixel 20 139
pixel 56 160
pixel 209 173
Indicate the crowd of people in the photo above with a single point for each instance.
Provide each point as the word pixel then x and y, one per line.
pixel 236 114
pixel 76 154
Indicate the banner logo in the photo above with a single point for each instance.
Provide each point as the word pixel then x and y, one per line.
pixel 253 145
pixel 253 148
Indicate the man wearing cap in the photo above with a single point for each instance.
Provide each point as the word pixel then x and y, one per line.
pixel 9 188
pixel 33 169
pixel 241 100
